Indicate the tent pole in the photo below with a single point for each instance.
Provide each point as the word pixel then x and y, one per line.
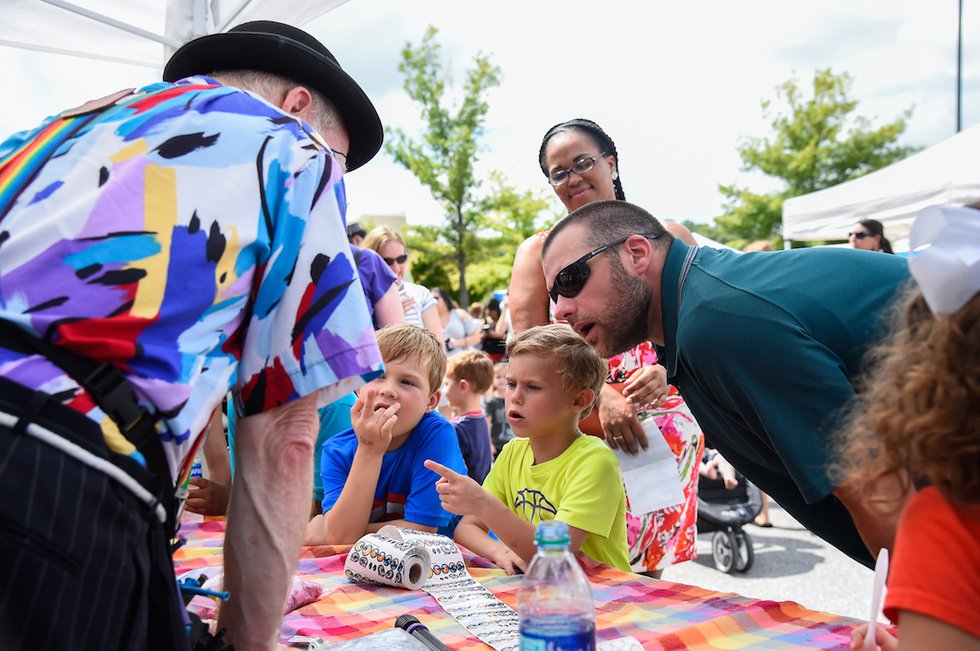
pixel 112 22
pixel 959 70
pixel 227 22
pixel 76 53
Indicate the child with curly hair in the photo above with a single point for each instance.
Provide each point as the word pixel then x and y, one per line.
pixel 917 424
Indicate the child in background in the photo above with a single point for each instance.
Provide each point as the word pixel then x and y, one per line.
pixel 496 409
pixel 918 423
pixel 373 473
pixel 468 376
pixel 551 471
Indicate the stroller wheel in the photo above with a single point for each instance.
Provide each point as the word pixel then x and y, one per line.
pixel 744 554
pixel 723 546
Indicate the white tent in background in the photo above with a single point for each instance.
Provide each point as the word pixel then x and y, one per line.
pixel 946 173
pixel 139 32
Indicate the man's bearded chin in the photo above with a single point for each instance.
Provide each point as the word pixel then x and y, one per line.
pixel 624 323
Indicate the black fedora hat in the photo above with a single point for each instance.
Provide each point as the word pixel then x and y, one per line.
pixel 290 52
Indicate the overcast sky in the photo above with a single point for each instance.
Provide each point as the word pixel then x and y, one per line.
pixel 676 85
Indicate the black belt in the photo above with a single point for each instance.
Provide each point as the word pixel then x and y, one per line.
pixel 43 410
pixel 112 392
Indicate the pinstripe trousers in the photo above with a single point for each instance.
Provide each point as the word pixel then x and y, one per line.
pixel 84 561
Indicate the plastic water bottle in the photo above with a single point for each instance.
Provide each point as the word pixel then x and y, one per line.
pixel 555 600
pixel 197 468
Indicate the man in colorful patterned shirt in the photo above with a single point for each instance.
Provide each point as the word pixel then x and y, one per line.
pixel 190 233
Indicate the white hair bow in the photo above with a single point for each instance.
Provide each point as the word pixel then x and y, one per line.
pixel 944 256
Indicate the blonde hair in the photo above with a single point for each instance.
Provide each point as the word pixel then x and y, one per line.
pixel 918 413
pixel 474 366
pixel 379 237
pixel 579 367
pixel 403 341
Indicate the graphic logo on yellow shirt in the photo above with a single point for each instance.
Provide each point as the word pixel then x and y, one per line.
pixel 536 502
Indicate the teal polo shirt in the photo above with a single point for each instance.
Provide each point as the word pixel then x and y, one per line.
pixel 765 348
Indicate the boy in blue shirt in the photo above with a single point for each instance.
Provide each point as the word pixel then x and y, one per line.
pixel 468 376
pixel 373 473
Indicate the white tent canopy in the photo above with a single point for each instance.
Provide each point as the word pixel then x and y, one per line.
pixel 946 173
pixel 140 32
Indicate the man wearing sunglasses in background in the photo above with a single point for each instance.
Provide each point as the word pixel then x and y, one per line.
pixel 764 346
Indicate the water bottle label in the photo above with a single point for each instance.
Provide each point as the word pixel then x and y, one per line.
pixel 567 640
pixel 196 470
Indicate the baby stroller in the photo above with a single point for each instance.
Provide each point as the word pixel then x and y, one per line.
pixel 723 512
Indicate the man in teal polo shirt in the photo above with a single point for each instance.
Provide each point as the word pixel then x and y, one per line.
pixel 764 347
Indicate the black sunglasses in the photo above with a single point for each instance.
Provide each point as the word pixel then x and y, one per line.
pixel 400 259
pixel 570 280
pixel 859 235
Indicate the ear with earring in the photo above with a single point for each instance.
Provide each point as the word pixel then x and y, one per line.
pixel 615 175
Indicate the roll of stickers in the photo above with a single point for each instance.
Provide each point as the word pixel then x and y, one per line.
pixel 387 560
pixel 396 556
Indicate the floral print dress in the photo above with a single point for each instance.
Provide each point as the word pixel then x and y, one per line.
pixel 666 536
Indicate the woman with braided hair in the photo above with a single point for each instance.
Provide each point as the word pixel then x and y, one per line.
pixel 582 166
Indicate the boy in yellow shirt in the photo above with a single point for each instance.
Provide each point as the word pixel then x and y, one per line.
pixel 551 471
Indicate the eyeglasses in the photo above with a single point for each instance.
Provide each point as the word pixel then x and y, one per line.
pixel 859 235
pixel 402 259
pixel 580 166
pixel 570 280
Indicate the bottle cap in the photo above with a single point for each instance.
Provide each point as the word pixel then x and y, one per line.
pixel 552 533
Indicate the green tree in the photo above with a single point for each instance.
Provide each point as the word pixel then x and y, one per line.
pixel 505 218
pixel 444 156
pixel 817 142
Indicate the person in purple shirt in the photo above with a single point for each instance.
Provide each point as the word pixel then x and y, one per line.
pixel 380 287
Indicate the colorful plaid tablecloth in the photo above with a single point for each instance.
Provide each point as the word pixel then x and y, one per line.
pixel 660 614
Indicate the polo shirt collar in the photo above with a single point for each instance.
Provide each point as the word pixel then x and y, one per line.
pixel 670 287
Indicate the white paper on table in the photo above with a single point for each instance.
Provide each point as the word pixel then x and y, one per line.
pixel 651 476
pixel 620 644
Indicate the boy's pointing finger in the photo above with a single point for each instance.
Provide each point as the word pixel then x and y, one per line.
pixel 441 470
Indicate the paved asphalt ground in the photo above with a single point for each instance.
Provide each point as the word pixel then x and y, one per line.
pixel 791 564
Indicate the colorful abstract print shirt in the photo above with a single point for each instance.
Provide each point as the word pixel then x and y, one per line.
pixel 193 236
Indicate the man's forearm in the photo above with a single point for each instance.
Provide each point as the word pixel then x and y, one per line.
pixel 876 527
pixel 268 514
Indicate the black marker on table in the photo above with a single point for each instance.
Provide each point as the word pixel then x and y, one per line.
pixel 416 629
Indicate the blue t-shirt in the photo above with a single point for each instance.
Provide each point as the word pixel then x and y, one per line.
pixel 406 489
pixel 474 443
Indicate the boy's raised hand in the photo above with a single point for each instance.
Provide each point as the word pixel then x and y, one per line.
pixel 373 425
pixel 458 493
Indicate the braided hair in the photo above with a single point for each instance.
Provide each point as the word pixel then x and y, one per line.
pixel 594 133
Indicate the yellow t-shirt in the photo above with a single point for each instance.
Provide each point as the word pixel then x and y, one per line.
pixel 581 487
